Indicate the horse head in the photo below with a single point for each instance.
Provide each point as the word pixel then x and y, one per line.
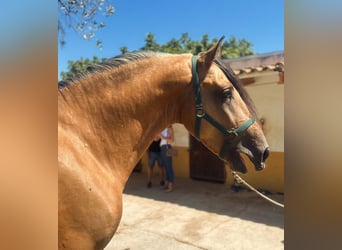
pixel 225 117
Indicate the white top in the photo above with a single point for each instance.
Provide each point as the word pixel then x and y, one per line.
pixel 165 134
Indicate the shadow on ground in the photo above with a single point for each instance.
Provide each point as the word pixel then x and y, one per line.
pixel 211 197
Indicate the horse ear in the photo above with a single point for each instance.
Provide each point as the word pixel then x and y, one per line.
pixel 209 56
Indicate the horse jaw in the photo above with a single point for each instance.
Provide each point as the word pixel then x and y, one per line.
pixel 237 163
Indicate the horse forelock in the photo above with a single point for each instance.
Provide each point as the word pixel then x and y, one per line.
pixel 109 64
pixel 237 85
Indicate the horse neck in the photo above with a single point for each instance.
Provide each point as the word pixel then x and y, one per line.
pixel 121 111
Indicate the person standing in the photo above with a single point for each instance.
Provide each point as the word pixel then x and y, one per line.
pixel 154 155
pixel 167 137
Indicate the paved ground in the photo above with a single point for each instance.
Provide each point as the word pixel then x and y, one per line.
pixel 197 215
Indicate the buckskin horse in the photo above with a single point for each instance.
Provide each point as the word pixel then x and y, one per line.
pixel 108 116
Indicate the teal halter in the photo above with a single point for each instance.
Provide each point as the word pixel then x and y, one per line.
pixel 200 113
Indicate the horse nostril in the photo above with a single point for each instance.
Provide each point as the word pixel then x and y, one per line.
pixel 266 154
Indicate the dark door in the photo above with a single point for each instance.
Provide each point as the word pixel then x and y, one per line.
pixel 204 165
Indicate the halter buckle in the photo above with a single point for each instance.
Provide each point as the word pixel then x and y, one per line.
pixel 200 112
pixel 232 132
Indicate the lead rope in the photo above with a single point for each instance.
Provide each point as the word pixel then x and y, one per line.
pixel 242 181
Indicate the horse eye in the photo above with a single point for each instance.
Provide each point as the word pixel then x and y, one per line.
pixel 227 93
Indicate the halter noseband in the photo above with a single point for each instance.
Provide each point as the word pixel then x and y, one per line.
pixel 200 113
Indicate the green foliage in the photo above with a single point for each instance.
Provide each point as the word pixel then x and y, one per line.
pixel 236 48
pixel 233 48
pixel 150 43
pixel 123 49
pixel 76 67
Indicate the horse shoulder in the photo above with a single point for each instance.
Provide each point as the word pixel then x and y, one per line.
pixel 90 198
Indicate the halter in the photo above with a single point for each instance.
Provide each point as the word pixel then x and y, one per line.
pixel 200 113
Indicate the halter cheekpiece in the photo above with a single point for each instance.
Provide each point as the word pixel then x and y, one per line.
pixel 200 113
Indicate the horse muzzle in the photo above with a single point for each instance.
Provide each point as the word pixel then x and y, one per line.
pixel 259 163
pixel 258 158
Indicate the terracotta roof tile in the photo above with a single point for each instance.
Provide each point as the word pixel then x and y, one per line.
pixel 257 63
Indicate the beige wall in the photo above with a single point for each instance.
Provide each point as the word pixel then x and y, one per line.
pixel 268 97
pixel 181 135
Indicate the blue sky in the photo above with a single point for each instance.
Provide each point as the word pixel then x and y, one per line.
pixel 260 22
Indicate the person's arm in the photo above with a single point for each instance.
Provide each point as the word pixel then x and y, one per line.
pixel 170 133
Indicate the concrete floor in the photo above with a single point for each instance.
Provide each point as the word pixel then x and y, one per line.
pixel 197 215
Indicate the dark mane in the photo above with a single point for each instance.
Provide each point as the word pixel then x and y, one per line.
pixel 107 65
pixel 237 85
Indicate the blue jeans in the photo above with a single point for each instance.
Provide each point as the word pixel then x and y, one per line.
pixel 167 163
pixel 154 157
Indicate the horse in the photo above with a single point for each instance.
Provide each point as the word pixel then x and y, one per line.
pixel 109 114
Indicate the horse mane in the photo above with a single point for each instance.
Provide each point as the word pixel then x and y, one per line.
pixel 129 57
pixel 237 85
pixel 108 64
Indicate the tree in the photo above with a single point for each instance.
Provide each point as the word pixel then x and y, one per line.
pixel 233 48
pixel 230 49
pixel 123 49
pixel 173 47
pixel 76 67
pixel 150 43
pixel 79 15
